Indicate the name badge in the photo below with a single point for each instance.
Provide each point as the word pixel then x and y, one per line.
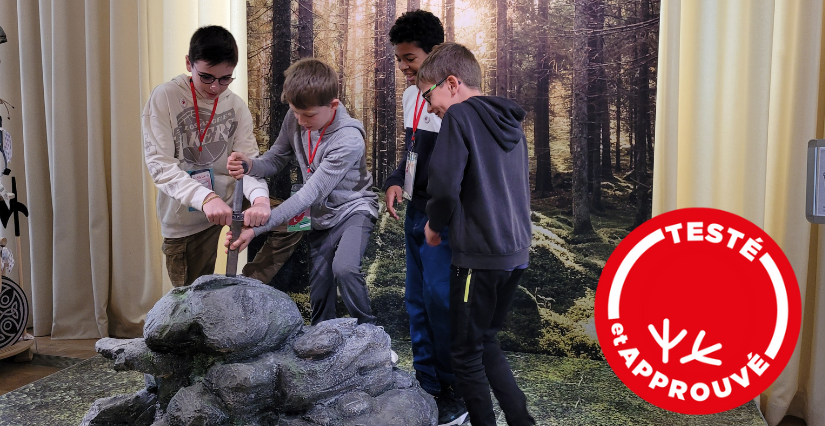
pixel 409 174
pixel 302 221
pixel 203 177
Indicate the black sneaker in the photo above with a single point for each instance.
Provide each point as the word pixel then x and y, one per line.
pixel 451 410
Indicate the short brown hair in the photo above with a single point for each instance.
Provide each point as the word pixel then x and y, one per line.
pixel 310 83
pixel 448 59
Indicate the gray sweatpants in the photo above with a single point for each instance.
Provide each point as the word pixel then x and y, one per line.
pixel 335 263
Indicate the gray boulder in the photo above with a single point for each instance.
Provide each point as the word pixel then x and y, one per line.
pixel 230 351
pixel 196 406
pixel 408 407
pixel 215 315
pixel 247 389
pixel 126 410
pixel 360 361
pixel 396 407
pixel 134 355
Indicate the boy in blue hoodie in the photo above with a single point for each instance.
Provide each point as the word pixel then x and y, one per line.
pixel 479 186
pixel 427 284
pixel 337 195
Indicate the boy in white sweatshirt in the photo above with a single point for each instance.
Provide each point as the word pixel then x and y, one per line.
pixel 190 125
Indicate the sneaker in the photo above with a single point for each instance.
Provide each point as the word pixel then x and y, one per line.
pixel 393 358
pixel 451 410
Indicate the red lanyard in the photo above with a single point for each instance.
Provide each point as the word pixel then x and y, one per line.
pixel 417 116
pixel 198 116
pixel 310 151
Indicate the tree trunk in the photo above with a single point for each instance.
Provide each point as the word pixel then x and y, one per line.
pixel 413 5
pixel 618 150
pixel 378 144
pixel 385 105
pixel 449 20
pixel 581 203
pixel 642 120
pixel 541 128
pixel 367 111
pixel 651 107
pixel 594 106
pixel 502 49
pixel 631 100
pixel 606 169
pixel 618 120
pixel 280 184
pixel 305 29
pixel 343 6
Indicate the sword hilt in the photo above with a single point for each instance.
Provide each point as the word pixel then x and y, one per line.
pixel 237 224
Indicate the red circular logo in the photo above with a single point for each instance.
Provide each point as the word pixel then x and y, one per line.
pixel 697 311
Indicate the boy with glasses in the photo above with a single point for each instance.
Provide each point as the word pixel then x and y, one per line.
pixel 190 125
pixel 479 185
pixel 427 283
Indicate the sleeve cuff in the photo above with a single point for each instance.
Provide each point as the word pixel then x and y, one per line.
pixel 255 166
pixel 437 227
pixel 274 221
pixel 392 181
pixel 200 197
pixel 258 230
pixel 257 193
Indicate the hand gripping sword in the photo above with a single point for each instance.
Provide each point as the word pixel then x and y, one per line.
pixel 237 224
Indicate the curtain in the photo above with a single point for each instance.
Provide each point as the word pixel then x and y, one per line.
pixel 738 98
pixel 79 73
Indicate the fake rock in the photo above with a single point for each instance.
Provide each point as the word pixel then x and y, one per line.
pixel 228 351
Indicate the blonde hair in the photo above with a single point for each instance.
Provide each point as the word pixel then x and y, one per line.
pixel 310 83
pixel 448 59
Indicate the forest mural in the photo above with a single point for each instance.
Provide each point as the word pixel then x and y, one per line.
pixel 584 70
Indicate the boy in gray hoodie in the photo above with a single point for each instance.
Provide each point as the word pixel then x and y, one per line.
pixel 337 197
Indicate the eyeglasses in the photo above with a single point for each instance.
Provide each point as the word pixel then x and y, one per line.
pixel 427 95
pixel 209 78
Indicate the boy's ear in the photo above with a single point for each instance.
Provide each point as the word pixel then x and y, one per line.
pixel 453 84
pixel 334 104
pixel 188 64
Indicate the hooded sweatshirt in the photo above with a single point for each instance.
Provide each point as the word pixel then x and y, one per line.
pixel 170 148
pixel 337 183
pixel 479 184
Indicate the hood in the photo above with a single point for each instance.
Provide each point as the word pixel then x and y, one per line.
pixel 182 81
pixel 502 117
pixel 342 120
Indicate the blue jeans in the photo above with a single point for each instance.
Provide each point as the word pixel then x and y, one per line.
pixel 428 303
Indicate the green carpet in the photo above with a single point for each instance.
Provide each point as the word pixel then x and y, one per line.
pixel 579 392
pixel 560 391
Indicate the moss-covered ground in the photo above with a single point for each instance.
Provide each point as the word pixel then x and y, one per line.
pixel 560 391
pixel 552 312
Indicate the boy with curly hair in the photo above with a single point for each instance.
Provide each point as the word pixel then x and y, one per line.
pixel 427 284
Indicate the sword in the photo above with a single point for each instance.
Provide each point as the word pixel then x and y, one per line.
pixel 237 224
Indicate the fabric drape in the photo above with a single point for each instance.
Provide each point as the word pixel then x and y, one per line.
pixel 79 73
pixel 738 98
